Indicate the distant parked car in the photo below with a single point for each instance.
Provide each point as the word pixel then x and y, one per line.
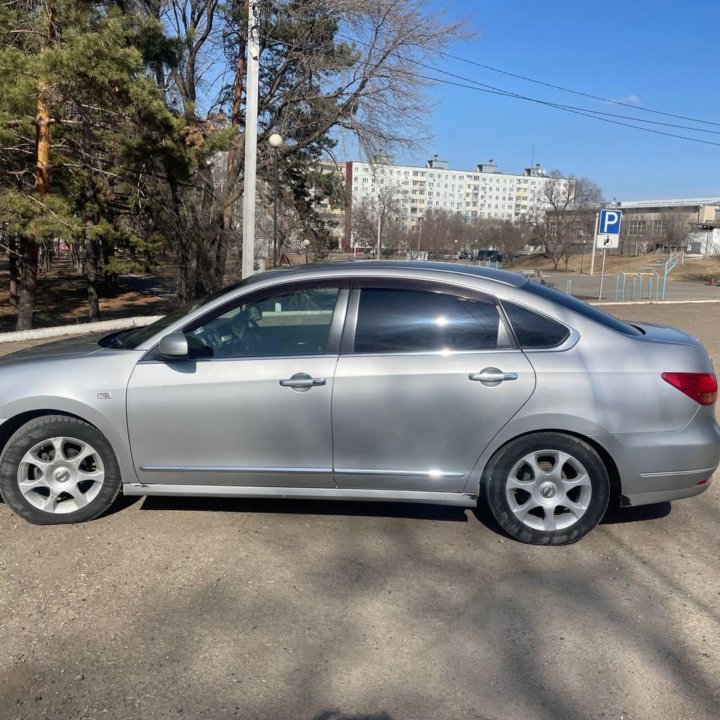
pixel 491 255
pixel 409 381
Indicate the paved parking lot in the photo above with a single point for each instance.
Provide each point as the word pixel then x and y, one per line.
pixel 266 609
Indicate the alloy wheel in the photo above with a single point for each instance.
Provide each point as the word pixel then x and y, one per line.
pixel 60 475
pixel 548 490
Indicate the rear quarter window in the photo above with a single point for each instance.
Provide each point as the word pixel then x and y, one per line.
pixel 532 330
pixel 581 308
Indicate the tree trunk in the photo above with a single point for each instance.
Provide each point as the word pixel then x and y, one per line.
pixel 13 267
pixel 28 283
pixel 91 272
pixel 42 143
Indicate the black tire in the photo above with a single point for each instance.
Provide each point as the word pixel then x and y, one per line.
pixel 44 428
pixel 496 479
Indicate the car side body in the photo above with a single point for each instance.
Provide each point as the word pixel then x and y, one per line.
pixel 379 426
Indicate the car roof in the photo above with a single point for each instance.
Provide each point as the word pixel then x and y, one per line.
pixel 402 267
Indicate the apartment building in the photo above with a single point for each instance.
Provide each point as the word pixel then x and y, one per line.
pixel 482 193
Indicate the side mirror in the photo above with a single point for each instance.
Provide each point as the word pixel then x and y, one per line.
pixel 174 347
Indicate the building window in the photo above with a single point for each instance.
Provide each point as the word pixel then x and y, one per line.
pixel 659 227
pixel 636 228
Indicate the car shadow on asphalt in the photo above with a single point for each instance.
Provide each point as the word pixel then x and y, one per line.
pixel 416 511
pixel 121 503
pixel 616 515
pixel 336 715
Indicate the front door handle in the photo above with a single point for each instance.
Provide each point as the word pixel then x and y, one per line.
pixel 302 382
pixel 492 376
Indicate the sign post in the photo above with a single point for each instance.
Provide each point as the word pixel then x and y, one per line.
pixel 607 237
pixel 592 257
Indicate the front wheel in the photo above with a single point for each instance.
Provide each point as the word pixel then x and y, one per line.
pixel 547 488
pixel 58 469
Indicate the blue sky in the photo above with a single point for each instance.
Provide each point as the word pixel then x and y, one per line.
pixel 661 55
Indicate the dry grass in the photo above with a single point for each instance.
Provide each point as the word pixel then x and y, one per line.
pixel 693 269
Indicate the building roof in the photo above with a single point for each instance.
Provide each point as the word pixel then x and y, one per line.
pixel 681 202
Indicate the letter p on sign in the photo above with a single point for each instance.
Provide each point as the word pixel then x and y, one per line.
pixel 610 222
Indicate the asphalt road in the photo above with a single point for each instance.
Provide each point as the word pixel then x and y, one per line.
pixel 327 611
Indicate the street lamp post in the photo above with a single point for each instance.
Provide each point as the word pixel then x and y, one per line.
pixel 306 246
pixel 276 142
pixel 582 255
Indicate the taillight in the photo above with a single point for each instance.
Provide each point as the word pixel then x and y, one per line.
pixel 701 387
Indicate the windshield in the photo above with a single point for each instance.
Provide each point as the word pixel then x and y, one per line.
pixel 129 340
pixel 582 308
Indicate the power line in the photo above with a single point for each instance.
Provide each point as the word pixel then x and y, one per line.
pixel 472 84
pixel 560 105
pixel 564 108
pixel 570 108
pixel 587 112
pixel 575 92
pixel 637 108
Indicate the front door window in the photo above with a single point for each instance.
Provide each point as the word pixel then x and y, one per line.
pixel 285 324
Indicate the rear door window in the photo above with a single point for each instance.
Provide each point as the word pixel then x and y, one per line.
pixel 404 320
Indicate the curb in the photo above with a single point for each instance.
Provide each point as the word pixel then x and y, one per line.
pixel 79 329
pixel 654 302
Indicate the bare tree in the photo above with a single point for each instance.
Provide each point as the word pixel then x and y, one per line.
pixel 676 231
pixel 378 223
pixel 507 237
pixel 444 233
pixel 569 202
pixel 325 66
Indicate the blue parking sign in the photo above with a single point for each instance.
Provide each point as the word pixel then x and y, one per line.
pixel 610 222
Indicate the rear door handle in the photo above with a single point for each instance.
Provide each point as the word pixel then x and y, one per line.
pixel 302 382
pixel 492 376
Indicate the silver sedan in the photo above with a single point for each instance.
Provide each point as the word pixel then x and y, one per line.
pixel 420 382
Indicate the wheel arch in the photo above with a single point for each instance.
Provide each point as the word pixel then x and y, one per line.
pixel 112 426
pixel 14 423
pixel 607 459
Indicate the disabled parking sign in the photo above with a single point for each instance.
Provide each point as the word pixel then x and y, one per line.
pixel 608 233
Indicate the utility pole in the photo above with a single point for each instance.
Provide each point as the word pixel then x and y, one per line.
pixel 379 232
pixel 251 113
pixel 276 142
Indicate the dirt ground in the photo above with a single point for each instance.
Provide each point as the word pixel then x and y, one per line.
pixel 62 300
pixel 170 608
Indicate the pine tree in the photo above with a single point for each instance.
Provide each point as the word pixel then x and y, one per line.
pixel 113 137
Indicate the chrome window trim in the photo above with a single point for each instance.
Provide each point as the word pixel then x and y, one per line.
pixel 569 342
pixel 433 353
pixel 266 358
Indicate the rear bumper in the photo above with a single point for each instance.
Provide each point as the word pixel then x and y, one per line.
pixel 671 487
pixel 657 467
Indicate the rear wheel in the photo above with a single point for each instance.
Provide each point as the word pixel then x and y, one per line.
pixel 547 488
pixel 58 469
